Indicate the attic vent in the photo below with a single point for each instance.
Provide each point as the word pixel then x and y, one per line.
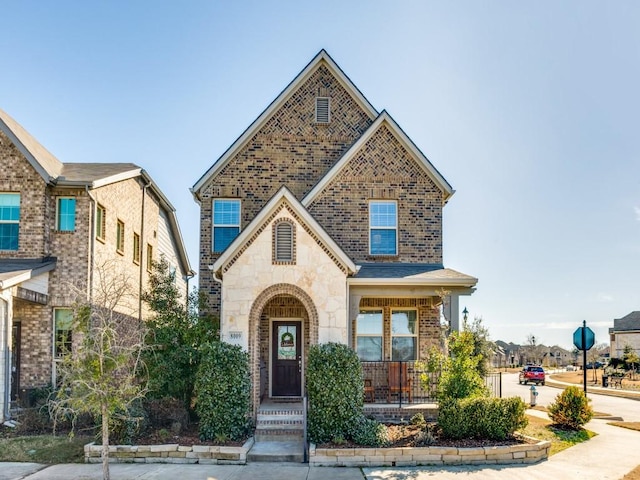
pixel 322 110
pixel 283 242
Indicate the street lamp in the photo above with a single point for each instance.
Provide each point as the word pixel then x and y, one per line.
pixel 465 314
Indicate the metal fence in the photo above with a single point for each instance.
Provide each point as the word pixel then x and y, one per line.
pixel 399 382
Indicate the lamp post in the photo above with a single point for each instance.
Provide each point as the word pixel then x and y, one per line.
pixel 465 314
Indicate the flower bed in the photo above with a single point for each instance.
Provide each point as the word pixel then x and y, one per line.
pixel 530 452
pixel 170 453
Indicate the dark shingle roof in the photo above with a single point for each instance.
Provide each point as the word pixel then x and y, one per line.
pixel 628 322
pixel 11 268
pixel 395 270
pixel 91 172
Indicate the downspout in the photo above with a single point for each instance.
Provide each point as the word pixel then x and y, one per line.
pixel 187 277
pixel 92 236
pixel 142 240
pixel 218 280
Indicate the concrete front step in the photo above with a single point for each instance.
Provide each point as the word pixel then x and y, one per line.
pixel 276 452
pixel 278 435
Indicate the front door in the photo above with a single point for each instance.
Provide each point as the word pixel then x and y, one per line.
pixel 286 359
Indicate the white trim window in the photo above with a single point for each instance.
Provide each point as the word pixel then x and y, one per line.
pixel 404 335
pixel 369 335
pixel 66 214
pixel 9 220
pixel 383 227
pixel 226 223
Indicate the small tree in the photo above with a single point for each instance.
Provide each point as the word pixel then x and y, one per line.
pixel 482 345
pixel 101 376
pixel 571 408
pixel 175 333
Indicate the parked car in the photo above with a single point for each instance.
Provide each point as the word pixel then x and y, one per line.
pixel 533 374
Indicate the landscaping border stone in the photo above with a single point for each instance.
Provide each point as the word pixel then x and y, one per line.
pixel 170 453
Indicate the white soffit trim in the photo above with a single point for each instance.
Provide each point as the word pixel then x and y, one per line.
pixel 321 58
pixel 283 195
pixel 383 118
pixel 116 178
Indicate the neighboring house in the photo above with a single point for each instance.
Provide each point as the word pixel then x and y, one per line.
pixel 625 331
pixel 322 223
pixel 59 224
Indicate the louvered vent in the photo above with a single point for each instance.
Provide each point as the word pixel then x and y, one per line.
pixel 322 110
pixel 284 242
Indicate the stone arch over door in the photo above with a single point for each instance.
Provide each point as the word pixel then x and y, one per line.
pixel 255 316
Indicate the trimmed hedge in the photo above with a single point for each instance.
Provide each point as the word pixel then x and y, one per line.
pixel 482 417
pixel 223 386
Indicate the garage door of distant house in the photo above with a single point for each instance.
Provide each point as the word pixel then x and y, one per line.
pixel 286 358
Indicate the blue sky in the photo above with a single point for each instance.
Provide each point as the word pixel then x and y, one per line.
pixel 529 109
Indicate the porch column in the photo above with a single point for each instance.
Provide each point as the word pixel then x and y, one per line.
pixel 452 312
pixel 354 310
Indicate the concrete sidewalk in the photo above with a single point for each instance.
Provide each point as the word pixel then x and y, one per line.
pixel 606 456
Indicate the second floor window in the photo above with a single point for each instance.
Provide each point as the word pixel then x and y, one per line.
pixel 369 335
pixel 9 220
pixel 226 223
pixel 383 227
pixel 66 218
pixel 120 237
pixel 149 257
pixel 136 248
pixel 101 222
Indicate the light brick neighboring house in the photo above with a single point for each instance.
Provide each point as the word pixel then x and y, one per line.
pixel 323 222
pixel 59 223
pixel 625 331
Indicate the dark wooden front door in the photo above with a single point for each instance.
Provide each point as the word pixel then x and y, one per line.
pixel 286 359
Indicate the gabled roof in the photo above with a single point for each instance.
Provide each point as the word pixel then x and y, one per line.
pixel 96 175
pixel 322 58
pixel 283 196
pixel 630 322
pixel 383 119
pixel 16 271
pixel 43 161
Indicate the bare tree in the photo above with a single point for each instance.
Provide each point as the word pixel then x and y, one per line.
pixel 101 376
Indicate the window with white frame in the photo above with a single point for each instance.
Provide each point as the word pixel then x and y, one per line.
pixel 120 237
pixel 404 335
pixel 101 222
pixel 226 223
pixel 9 220
pixel 383 227
pixel 369 335
pixel 63 318
pixel 66 214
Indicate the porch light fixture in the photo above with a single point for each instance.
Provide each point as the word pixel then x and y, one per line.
pixel 465 313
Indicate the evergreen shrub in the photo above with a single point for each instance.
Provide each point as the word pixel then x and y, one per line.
pixel 571 408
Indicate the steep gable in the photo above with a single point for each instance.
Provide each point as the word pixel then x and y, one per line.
pixel 285 144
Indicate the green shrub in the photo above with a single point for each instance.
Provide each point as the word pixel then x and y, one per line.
pixel 571 408
pixel 336 392
pixel 369 433
pixel 126 426
pixel 223 388
pixel 481 417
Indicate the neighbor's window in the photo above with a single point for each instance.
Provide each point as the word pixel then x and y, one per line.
pixel 9 220
pixel 136 248
pixel 149 257
pixel 66 217
pixel 63 318
pixel 120 237
pixel 226 223
pixel 369 335
pixel 383 225
pixel 283 242
pixel 101 222
pixel 404 335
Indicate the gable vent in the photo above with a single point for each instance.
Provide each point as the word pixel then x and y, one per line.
pixel 284 242
pixel 322 110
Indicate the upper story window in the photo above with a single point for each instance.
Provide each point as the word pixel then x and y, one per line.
pixel 404 335
pixel 226 223
pixel 323 110
pixel 284 242
pixel 120 237
pixel 101 222
pixel 369 335
pixel 66 214
pixel 63 318
pixel 136 248
pixel 383 227
pixel 9 220
pixel 149 257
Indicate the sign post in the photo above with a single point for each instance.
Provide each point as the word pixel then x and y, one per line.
pixel 583 339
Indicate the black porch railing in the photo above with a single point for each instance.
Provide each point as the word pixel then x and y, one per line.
pixel 400 382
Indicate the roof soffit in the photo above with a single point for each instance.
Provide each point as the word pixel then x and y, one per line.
pixel 322 58
pixel 282 199
pixel 384 119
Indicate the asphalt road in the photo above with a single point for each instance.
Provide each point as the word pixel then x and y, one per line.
pixel 628 409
